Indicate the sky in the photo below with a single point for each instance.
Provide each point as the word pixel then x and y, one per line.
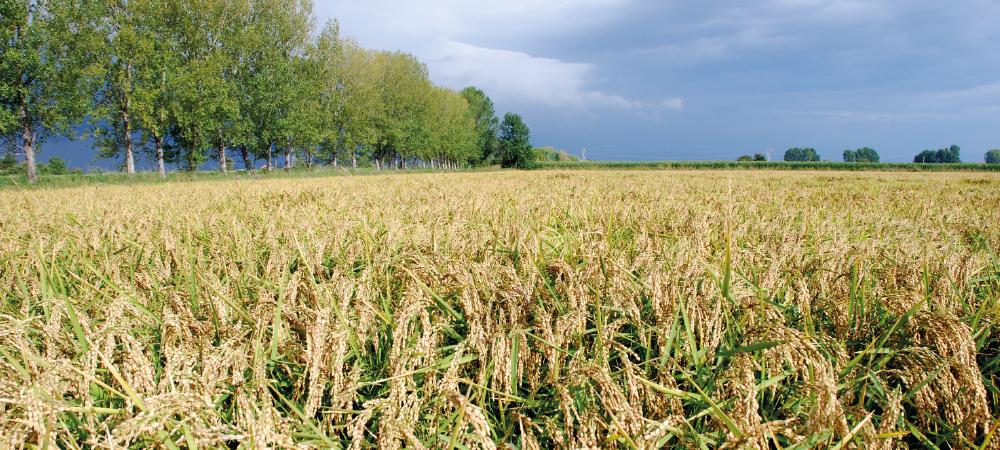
pixel 673 79
pixel 683 80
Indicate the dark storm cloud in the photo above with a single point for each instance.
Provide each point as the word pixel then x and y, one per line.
pixel 677 79
pixel 631 79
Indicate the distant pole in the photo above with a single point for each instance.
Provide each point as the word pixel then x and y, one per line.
pixel 768 154
pixel 584 154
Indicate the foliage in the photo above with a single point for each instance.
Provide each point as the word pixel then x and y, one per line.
pixel 487 123
pixel 759 157
pixel 801 154
pixel 13 17
pixel 57 166
pixel 193 81
pixel 745 158
pixel 948 155
pixel 992 157
pixel 864 154
pixel 551 154
pixel 515 142
pixel 523 310
pixel 43 62
pixel 8 162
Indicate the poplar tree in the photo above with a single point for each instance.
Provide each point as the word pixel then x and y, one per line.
pixel 274 38
pixel 44 60
pixel 486 122
pixel 358 108
pixel 130 79
pixel 515 145
pixel 402 101
pixel 203 97
pixel 316 97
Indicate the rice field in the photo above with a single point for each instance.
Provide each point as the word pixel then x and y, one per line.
pixel 511 310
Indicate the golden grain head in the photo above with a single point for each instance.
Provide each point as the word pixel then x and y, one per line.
pixel 504 310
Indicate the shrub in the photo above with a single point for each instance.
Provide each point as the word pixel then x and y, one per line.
pixel 57 166
pixel 801 154
pixel 940 156
pixel 8 163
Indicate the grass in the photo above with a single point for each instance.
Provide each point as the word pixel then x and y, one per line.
pixel 144 177
pixel 551 309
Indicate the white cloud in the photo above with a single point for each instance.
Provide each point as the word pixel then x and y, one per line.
pixel 673 103
pixel 389 23
pixel 520 78
pixel 465 44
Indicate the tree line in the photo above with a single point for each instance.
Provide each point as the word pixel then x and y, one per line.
pixel 866 154
pixel 190 81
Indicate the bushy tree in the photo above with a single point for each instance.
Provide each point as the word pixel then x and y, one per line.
pixel 515 145
pixel 43 63
pixel 992 157
pixel 948 155
pixel 8 162
pixel 864 154
pixel 551 154
pixel 481 109
pixel 759 157
pixel 801 154
pixel 745 158
pixel 57 166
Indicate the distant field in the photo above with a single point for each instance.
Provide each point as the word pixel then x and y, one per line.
pixel 768 165
pixel 113 178
pixel 525 310
pixel 71 180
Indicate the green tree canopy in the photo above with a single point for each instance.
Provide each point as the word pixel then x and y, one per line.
pixel 57 166
pixel 43 62
pixel 481 109
pixel 948 155
pixel 864 154
pixel 8 162
pixel 993 156
pixel 515 145
pixel 801 154
pixel 187 81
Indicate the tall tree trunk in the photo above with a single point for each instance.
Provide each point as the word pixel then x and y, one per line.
pixel 159 156
pixel 335 161
pixel 127 123
pixel 28 139
pixel 222 153
pixel 288 155
pixel 270 156
pixel 245 154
